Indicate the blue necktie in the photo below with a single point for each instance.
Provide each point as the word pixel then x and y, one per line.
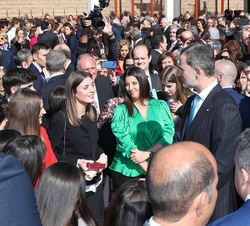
pixel 192 109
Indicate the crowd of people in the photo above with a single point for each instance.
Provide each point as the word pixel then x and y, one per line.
pixel 143 122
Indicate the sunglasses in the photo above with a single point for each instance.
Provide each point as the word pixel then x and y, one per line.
pixel 224 58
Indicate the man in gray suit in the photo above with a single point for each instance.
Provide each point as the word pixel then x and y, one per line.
pixel 211 118
pixel 182 191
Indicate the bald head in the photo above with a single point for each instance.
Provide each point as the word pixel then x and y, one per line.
pixel 185 36
pixel 178 174
pixel 64 48
pixel 226 72
pixel 87 63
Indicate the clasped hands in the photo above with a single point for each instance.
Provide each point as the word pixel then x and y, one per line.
pixel 138 156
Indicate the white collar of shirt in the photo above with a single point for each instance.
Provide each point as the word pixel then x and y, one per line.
pixel 138 40
pixel 37 66
pixel 204 93
pixel 247 197
pixel 158 51
pixel 149 78
pixel 55 74
pixel 151 222
pixel 225 87
pixel 166 28
pixel 67 64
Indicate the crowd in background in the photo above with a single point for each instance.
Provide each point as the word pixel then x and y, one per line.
pixel 85 109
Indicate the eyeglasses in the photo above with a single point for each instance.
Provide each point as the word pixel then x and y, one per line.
pixel 224 58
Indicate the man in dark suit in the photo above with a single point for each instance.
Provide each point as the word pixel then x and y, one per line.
pixel 213 119
pixel 8 60
pixel 55 63
pixel 135 35
pixel 142 59
pixel 17 204
pixel 226 72
pixel 47 36
pixel 103 86
pixel 182 191
pixel 39 52
pixel 240 217
pixel 159 45
pixel 165 27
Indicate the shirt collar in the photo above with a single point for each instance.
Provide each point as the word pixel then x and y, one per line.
pixel 204 93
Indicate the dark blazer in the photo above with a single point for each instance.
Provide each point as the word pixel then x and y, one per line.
pixel 216 125
pixel 81 142
pixel 238 218
pixel 72 43
pixel 58 80
pixel 40 81
pixel 155 56
pixel 243 103
pixel 104 90
pixel 155 80
pixel 17 204
pixel 69 69
pixel 48 37
pixel 8 60
pixel 166 33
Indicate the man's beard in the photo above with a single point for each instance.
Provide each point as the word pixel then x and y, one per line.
pixel 173 39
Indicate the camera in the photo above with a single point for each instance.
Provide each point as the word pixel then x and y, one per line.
pixel 95 15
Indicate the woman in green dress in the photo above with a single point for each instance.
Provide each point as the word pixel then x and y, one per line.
pixel 141 125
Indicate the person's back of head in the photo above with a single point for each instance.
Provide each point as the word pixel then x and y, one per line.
pixel 65 49
pixel 57 99
pixel 61 196
pixel 30 151
pixel 226 72
pixel 214 33
pixel 130 205
pixel 182 190
pixel 44 25
pixel 242 164
pixel 15 78
pixel 6 135
pixel 135 33
pixel 23 55
pixel 55 61
pixel 156 40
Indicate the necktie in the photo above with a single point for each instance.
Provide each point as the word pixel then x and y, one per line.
pixel 192 112
pixel 43 77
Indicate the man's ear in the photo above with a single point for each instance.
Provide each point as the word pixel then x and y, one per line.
pixel 35 56
pixel 245 177
pixel 201 202
pixel 149 58
pixel 13 89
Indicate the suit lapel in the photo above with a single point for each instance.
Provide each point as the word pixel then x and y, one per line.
pixel 204 110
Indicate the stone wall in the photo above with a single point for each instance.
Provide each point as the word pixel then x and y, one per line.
pixel 38 8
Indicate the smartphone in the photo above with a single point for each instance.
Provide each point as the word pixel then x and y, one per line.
pixel 109 64
pixel 95 165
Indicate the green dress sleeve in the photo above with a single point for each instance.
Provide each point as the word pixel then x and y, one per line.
pixel 168 125
pixel 120 126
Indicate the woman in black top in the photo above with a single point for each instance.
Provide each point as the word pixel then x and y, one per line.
pixel 73 134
